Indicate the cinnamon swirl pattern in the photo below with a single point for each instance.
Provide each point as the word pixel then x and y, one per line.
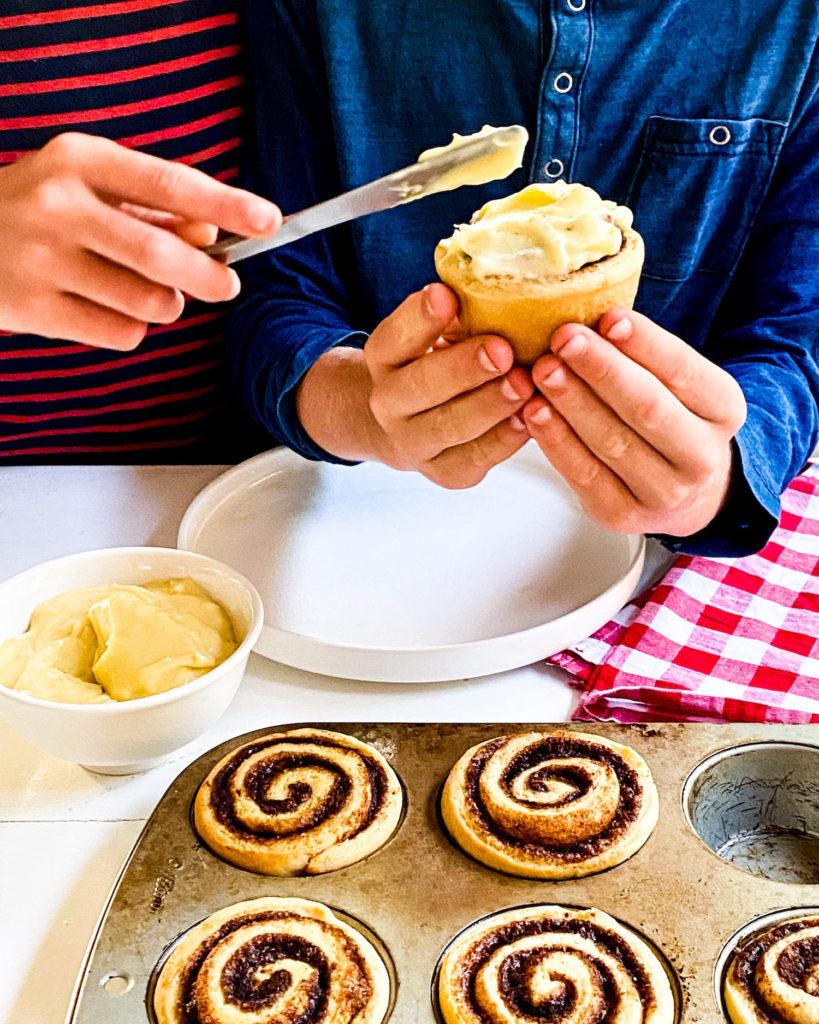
pixel 287 961
pixel 299 802
pixel 554 964
pixel 775 978
pixel 550 805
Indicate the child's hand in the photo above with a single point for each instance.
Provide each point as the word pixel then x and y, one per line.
pixel 640 424
pixel 98 240
pixel 414 402
pixel 445 412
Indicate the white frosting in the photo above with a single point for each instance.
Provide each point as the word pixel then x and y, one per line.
pixel 545 230
pixel 504 158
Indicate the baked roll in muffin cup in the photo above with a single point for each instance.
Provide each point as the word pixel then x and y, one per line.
pixel 548 255
pixel 550 805
pixel 556 964
pixel 272 960
pixel 300 802
pixel 775 977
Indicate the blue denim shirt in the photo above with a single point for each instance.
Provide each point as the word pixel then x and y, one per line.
pixel 701 115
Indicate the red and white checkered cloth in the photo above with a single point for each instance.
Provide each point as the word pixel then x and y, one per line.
pixel 716 638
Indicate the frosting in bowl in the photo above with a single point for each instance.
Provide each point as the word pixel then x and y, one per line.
pixel 91 645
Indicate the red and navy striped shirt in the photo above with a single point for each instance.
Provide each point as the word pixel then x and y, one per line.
pixel 164 77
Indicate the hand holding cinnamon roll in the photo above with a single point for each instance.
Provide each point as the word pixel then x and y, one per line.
pixel 550 805
pixel 776 976
pixel 551 254
pixel 283 960
pixel 552 964
pixel 300 802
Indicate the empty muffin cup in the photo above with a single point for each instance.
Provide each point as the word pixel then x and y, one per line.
pixel 757 807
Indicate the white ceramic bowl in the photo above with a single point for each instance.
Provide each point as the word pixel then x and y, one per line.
pixel 128 736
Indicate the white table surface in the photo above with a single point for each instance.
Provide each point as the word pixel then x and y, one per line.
pixel 65 832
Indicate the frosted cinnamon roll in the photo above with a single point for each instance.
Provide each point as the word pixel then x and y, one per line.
pixel 775 978
pixel 553 964
pixel 552 253
pixel 299 802
pixel 265 960
pixel 550 805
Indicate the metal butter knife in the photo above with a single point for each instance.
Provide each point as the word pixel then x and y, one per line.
pixel 413 182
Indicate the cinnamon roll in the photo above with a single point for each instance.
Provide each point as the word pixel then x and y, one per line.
pixel 550 805
pixel 553 964
pixel 551 254
pixel 299 802
pixel 774 979
pixel 266 960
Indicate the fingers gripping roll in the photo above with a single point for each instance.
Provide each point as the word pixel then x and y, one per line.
pixel 272 961
pixel 300 802
pixel 550 805
pixel 776 976
pixel 553 964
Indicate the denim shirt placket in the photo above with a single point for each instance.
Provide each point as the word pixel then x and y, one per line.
pixel 565 40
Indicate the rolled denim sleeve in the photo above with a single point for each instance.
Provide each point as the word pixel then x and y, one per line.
pixel 298 302
pixel 767 337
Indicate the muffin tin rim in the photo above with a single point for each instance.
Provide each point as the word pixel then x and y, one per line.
pixel 705 740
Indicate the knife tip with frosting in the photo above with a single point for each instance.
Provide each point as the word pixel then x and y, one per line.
pixel 498 161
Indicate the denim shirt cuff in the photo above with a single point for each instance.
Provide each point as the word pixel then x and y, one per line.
pixel 745 523
pixel 293 433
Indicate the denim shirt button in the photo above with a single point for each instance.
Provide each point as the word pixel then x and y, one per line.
pixel 554 169
pixel 719 135
pixel 576 5
pixel 564 83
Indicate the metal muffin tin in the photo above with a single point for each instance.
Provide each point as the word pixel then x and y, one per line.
pixel 419 890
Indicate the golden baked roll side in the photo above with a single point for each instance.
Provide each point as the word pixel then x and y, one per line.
pixel 300 802
pixel 775 977
pixel 553 963
pixel 550 805
pixel 526 311
pixel 287 960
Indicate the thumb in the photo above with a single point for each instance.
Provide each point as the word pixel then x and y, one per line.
pixel 411 329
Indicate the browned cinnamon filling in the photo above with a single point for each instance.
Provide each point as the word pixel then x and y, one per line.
pixel 241 985
pixel 540 781
pixel 558 747
pixel 260 778
pixel 515 983
pixel 796 966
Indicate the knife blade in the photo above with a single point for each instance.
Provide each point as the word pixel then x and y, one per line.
pixel 403 186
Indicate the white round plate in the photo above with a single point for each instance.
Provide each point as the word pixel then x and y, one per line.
pixel 368 573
